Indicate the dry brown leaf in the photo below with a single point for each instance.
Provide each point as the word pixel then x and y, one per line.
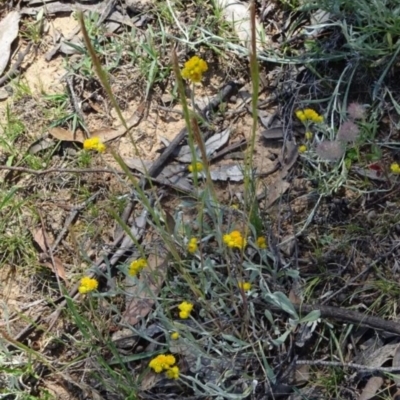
pixel 378 357
pixel 149 380
pixel 396 364
pixel 273 133
pixel 294 294
pixel 373 385
pixel 66 135
pixel 276 190
pixel 396 396
pixel 40 145
pixel 58 266
pixel 108 134
pixel 42 240
pixel 302 374
pixel 143 291
pixel 289 158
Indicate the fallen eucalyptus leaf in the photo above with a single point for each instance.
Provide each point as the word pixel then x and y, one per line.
pixel 370 389
pixel 66 135
pixel 41 144
pixel 216 141
pixel 58 268
pixel 172 175
pixel 42 240
pixel 288 158
pixel 273 133
pixel 8 33
pixel 108 134
pixel 212 144
pixel 369 173
pixel 238 15
pixel 276 190
pixel 267 118
pixel 224 172
pixel 396 364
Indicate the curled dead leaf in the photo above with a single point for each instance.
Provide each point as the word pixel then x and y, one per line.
pixel 58 268
pixel 108 134
pixel 66 135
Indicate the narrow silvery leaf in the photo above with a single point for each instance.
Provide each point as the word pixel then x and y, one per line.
pixel 280 300
pixel 311 317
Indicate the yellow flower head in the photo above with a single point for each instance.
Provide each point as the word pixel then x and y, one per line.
pixel 88 285
pixel 234 240
pixel 162 363
pixel 308 135
pixel 309 114
pixel 395 168
pixel 261 243
pixel 94 143
pixel 300 115
pixel 136 266
pixel 194 69
pixel 197 166
pixel 175 335
pixel 245 286
pixel 302 148
pixel 185 309
pixel 173 373
pixel 192 245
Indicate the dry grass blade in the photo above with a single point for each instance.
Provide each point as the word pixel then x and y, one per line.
pixel 99 70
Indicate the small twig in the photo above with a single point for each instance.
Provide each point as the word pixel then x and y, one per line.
pixel 75 101
pixel 14 69
pixel 347 365
pixel 66 170
pixel 228 150
pixel 106 12
pixel 170 110
pixel 50 251
pixel 164 182
pixel 345 315
pixel 73 214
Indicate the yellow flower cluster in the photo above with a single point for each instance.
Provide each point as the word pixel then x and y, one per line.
pixel 94 143
pixel 302 148
pixel 395 168
pixel 192 245
pixel 87 285
pixel 261 243
pixel 308 135
pixel 197 166
pixel 166 363
pixel 173 372
pixel 194 69
pixel 235 239
pixel 136 266
pixel 309 114
pixel 185 309
pixel 175 335
pixel 245 286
